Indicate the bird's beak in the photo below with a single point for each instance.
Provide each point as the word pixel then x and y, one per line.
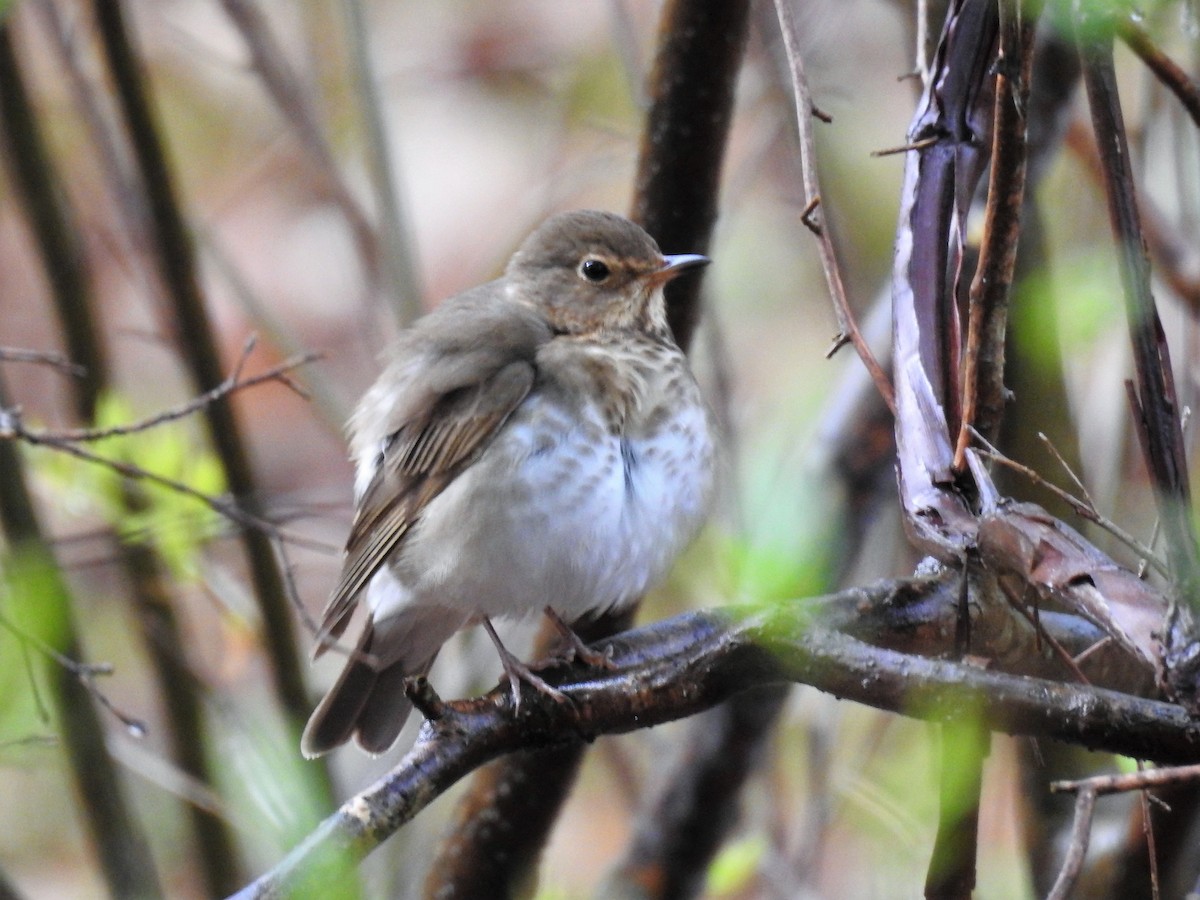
pixel 676 265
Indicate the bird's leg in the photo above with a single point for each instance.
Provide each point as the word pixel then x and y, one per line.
pixel 576 648
pixel 517 672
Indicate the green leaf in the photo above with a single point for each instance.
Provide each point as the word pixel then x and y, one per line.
pixel 140 510
pixel 736 865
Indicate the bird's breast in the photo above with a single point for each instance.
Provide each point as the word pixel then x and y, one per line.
pixel 582 501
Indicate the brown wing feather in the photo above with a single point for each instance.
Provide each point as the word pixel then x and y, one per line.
pixel 419 460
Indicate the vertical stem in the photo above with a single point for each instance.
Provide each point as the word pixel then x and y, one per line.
pixel 683 143
pixel 124 854
pixel 1156 406
pixel 952 875
pixel 175 259
pixel 984 395
pixel 64 263
pixel 398 258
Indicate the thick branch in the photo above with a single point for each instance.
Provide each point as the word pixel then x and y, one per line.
pixel 683 144
pixel 689 663
pixel 984 394
pixel 945 161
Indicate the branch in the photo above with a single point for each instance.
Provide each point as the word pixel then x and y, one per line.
pixel 686 664
pixel 1081 831
pixel 684 138
pixel 284 86
pixel 51 220
pixel 1174 78
pixel 948 133
pixel 174 256
pixel 984 394
pixel 231 385
pixel 12 428
pixel 120 844
pixel 42 358
pixel 813 199
pixel 398 257
pixel 1156 407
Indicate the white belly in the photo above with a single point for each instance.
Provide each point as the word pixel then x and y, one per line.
pixel 558 512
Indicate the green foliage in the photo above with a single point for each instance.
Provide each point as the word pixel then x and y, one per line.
pixel 599 90
pixel 1096 20
pixel 1086 291
pixel 736 866
pixel 142 511
pixel 33 604
pixel 267 783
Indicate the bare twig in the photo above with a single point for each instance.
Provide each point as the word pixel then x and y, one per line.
pixel 1143 779
pixel 812 194
pixel 721 653
pixel 1164 68
pixel 120 844
pixel 12 428
pixel 398 258
pixel 1081 830
pixel 1174 256
pixel 175 261
pixel 1049 445
pixel 230 385
pixel 1083 507
pixel 85 673
pixel 1156 405
pixel 50 216
pixel 43 358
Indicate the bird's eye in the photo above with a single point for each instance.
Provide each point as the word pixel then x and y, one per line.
pixel 593 270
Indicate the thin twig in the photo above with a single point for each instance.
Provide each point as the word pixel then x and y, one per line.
pixel 983 392
pixel 398 258
pixel 42 357
pixel 1082 507
pixel 1155 402
pixel 11 428
pixel 1148 833
pixel 86 674
pixel 1167 776
pixel 230 385
pixel 175 263
pixel 812 192
pixel 905 148
pixel 1049 444
pixel 1081 830
pixel 1165 69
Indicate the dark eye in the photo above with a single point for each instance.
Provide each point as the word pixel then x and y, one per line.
pixel 593 270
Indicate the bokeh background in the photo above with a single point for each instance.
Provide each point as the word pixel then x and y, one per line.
pixel 495 115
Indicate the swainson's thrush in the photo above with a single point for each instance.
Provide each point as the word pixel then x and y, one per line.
pixel 536 443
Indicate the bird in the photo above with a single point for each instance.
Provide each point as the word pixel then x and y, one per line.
pixel 536 443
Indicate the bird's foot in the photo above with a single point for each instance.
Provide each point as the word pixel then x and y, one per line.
pixel 576 648
pixel 517 672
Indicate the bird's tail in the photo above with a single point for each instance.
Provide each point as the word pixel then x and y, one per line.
pixel 368 701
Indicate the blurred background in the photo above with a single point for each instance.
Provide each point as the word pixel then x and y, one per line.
pixel 324 221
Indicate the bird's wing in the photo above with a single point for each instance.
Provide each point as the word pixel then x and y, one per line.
pixel 419 460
